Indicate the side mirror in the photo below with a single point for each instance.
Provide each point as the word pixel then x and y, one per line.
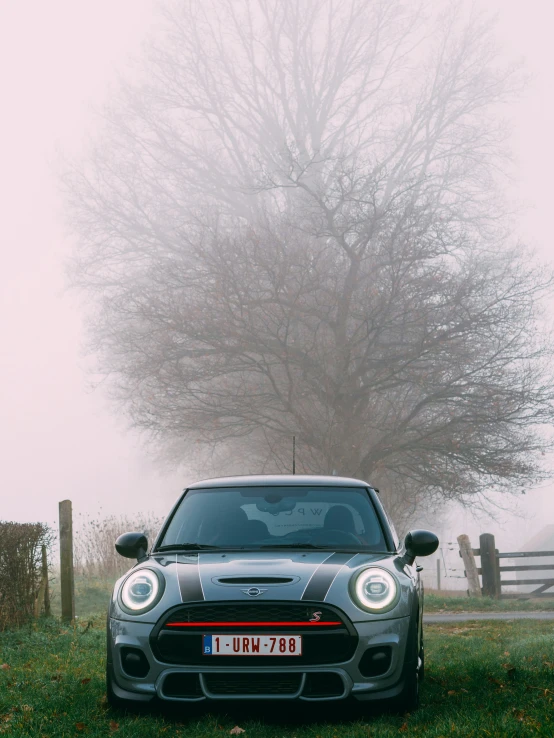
pixel 132 545
pixel 420 543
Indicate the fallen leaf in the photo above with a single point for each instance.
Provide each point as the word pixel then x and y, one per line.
pixel 80 726
pixel 236 730
pixel 86 680
pixel 451 692
pixel 114 726
pixel 26 708
pixel 5 666
pixel 403 728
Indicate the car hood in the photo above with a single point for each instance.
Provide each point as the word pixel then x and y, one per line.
pixel 248 576
pixel 229 576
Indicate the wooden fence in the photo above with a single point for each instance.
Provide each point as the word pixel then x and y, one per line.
pixel 492 568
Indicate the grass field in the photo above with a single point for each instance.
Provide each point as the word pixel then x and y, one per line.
pixel 445 603
pixel 483 679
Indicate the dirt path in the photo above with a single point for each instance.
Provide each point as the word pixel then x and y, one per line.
pixel 452 617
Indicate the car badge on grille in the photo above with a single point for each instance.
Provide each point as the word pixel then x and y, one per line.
pixel 316 616
pixel 254 591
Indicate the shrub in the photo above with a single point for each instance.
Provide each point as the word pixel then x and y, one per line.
pixel 20 570
pixel 94 552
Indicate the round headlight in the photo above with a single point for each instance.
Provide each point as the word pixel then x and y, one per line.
pixel 375 589
pixel 141 591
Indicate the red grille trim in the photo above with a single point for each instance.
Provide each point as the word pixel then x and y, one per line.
pixel 234 624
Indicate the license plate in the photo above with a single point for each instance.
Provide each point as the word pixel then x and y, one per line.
pixel 250 645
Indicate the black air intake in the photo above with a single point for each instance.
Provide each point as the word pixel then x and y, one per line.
pixel 252 684
pixel 182 685
pixel 323 684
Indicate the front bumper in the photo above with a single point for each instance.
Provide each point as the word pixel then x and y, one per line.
pixel 176 683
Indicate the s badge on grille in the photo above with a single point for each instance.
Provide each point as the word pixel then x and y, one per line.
pixel 254 591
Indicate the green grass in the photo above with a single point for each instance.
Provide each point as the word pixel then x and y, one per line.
pixel 92 595
pixel 483 679
pixel 444 603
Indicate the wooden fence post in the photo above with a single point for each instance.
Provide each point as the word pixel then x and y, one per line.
pixel 47 610
pixel 466 552
pixel 489 566
pixel 66 561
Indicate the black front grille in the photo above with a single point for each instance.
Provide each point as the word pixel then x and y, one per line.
pixel 252 684
pixel 253 612
pixel 321 644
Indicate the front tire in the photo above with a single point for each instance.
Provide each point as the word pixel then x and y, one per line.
pixel 421 664
pixel 113 700
pixel 413 673
pixel 408 699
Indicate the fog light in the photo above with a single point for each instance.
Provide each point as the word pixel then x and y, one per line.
pixel 375 661
pixel 134 662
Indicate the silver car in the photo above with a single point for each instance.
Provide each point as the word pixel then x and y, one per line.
pixel 270 587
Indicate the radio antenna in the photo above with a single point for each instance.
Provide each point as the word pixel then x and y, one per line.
pixel 294 454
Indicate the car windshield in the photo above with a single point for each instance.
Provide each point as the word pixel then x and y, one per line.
pixel 276 517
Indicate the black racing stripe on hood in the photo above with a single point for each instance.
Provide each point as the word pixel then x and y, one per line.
pixel 189 580
pixel 323 576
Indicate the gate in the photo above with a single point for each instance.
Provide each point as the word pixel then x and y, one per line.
pixel 491 571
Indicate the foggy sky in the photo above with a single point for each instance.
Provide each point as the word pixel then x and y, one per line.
pixel 58 62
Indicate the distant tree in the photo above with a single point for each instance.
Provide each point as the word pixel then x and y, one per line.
pixel 294 227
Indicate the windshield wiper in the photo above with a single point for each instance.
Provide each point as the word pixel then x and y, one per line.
pixel 296 545
pixel 316 547
pixel 187 547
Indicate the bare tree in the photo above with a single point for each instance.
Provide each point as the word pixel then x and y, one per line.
pixel 294 228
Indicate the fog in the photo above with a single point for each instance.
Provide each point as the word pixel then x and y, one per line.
pixel 59 440
pixel 59 62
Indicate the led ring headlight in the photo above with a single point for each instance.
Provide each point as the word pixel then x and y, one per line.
pixel 141 591
pixel 374 589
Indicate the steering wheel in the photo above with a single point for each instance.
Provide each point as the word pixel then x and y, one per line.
pixel 320 535
pixel 336 536
pixel 300 536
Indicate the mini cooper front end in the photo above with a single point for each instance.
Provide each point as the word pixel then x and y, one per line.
pixel 270 587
